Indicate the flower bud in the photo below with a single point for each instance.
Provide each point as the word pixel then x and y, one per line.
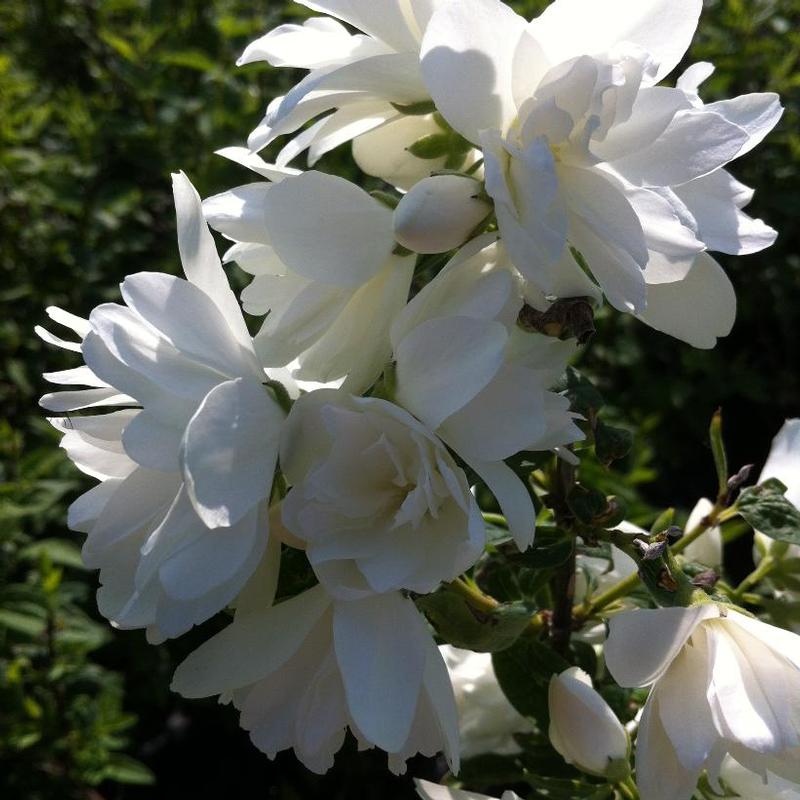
pixel 584 729
pixel 439 213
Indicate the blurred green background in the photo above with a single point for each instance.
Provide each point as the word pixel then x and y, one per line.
pixel 99 101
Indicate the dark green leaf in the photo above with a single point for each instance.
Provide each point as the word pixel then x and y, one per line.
pixel 523 672
pixel 610 443
pixel 766 509
pixel 435 145
pixel 462 625
pixel 124 769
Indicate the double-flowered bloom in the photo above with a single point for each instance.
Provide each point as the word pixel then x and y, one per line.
pixel 179 521
pixel 722 683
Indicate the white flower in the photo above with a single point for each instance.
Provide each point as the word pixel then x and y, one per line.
pixel 361 77
pixel 468 372
pixel 320 250
pixel 583 728
pixel 783 463
pixel 583 151
pixel 752 786
pixel 376 499
pixel 179 521
pixel 439 213
pixel 304 670
pixel 721 682
pixel 487 721
pixel 435 791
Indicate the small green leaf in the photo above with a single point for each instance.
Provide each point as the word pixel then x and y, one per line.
pixel 420 109
pixel 766 509
pixel 459 623
pixel 434 145
pixel 586 504
pixel 610 443
pixel 124 769
pixel 584 398
pixel 25 624
pixel 59 551
pixel 523 672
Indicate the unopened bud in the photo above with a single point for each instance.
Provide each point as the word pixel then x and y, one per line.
pixel 439 213
pixel 584 729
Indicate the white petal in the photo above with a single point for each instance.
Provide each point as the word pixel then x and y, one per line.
pixel 191 321
pixel 200 258
pixel 76 324
pixel 247 158
pixel 346 124
pixel 388 22
pixel 467 61
pixel 663 28
pixel 659 773
pixel 381 646
pixel 263 642
pixel 506 416
pixel 392 77
pixel 694 143
pixel 79 376
pixel 240 213
pixel 439 689
pixel 328 229
pixel 691 78
pixel 59 402
pixel 603 207
pixel 698 310
pixel 357 344
pixel 715 201
pixel 756 113
pixel 153 443
pixel 620 277
pixel 230 449
pixel 513 499
pixel 665 222
pixel 318 42
pixel 684 710
pixel 641 644
pixel 708 548
pixel 444 362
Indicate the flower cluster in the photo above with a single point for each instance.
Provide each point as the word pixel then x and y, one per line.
pixel 407 361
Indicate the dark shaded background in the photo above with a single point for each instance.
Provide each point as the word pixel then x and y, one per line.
pixel 99 101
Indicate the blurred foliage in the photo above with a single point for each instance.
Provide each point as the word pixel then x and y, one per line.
pixel 99 101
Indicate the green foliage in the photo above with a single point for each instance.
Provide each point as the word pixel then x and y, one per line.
pixel 99 101
pixel 766 509
pixel 460 623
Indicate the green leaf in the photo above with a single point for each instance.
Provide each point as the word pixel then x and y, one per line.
pixel 420 109
pixel 26 624
pixel 584 398
pixel 766 509
pixel 124 769
pixel 610 443
pixel 462 625
pixel 523 672
pixel 586 504
pixel 435 145
pixel 59 551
